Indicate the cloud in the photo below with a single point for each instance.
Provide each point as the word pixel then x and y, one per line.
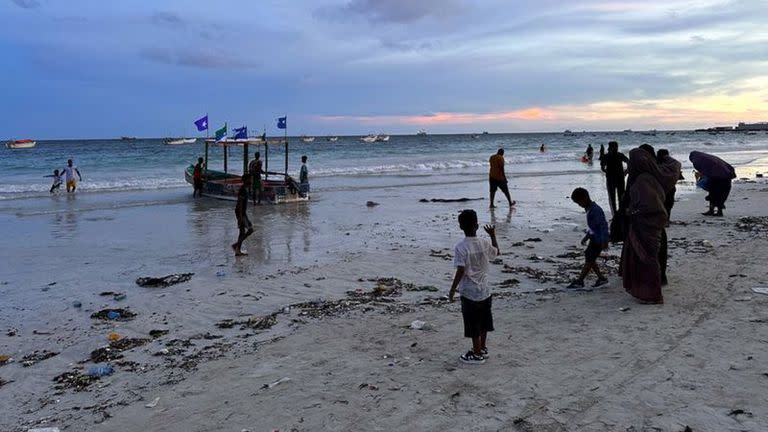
pixel 393 11
pixel 27 4
pixel 198 58
pixel 167 19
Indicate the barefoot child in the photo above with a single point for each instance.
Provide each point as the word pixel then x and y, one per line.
pixel 56 181
pixel 243 223
pixel 471 259
pixel 597 235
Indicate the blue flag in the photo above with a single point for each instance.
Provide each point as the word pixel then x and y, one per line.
pixel 202 124
pixel 282 122
pixel 240 133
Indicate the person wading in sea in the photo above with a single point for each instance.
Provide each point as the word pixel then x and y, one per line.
pixel 497 179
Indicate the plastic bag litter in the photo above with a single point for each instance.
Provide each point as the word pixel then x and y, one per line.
pixel 760 290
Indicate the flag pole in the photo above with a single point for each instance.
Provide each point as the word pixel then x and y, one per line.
pixel 286 146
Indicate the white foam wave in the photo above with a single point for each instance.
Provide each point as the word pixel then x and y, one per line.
pixel 13 191
pixel 430 166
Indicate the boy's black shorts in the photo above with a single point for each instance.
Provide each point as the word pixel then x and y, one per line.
pixel 498 184
pixel 592 252
pixel 477 316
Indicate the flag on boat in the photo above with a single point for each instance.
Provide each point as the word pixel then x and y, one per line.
pixel 221 133
pixel 202 123
pixel 241 133
pixel 282 122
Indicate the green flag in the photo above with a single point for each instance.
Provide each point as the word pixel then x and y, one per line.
pixel 221 133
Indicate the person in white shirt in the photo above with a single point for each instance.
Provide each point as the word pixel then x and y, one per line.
pixel 471 259
pixel 70 171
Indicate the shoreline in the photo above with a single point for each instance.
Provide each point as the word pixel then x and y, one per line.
pixel 557 346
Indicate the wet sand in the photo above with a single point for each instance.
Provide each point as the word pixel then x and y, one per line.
pixel 560 360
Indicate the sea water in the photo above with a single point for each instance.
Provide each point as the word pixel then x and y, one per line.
pixel 148 164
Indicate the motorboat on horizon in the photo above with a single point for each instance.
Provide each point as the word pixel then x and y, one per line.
pixel 421 132
pixel 382 138
pixel 21 144
pixel 369 138
pixel 307 139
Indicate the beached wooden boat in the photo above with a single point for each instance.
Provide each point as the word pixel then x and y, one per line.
pixel 277 187
pixel 21 144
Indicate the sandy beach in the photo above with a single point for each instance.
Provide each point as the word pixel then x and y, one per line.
pixel 312 331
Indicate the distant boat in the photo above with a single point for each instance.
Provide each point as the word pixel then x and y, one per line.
pixel 369 138
pixel 179 141
pixel 382 138
pixel 485 132
pixel 627 131
pixel 307 139
pixel 568 132
pixel 649 133
pixel 127 138
pixel 475 136
pixel 421 132
pixel 332 139
pixel 20 144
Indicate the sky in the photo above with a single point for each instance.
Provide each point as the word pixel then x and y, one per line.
pixel 101 69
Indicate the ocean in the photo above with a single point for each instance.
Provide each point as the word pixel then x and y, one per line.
pixel 148 164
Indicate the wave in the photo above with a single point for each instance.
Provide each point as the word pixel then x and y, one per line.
pixel 431 166
pixel 150 182
pixel 15 191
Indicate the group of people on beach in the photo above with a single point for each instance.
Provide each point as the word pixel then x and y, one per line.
pixel 641 210
pixel 68 172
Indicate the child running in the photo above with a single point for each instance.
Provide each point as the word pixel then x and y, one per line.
pixel 243 223
pixel 597 235
pixel 471 257
pixel 56 181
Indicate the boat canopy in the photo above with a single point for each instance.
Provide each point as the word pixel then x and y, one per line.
pixel 249 141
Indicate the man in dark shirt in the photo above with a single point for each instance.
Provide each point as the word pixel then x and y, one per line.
pixel 612 164
pixel 244 225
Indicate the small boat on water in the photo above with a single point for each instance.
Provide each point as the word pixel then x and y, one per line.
pixel 332 139
pixel 421 132
pixel 127 138
pixel 307 139
pixel 369 138
pixel 568 132
pixel 382 138
pixel 649 133
pixel 179 141
pixel 485 132
pixel 21 144
pixel 277 187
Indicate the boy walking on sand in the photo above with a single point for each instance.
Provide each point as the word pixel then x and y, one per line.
pixel 597 235
pixel 244 224
pixel 471 257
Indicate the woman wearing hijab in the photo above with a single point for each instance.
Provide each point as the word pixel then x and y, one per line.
pixel 670 170
pixel 646 217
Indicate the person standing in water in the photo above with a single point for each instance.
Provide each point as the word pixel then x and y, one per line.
pixel 244 225
pixel 612 164
pixel 70 170
pixel 497 178
pixel 254 169
pixel 197 178
pixel 590 152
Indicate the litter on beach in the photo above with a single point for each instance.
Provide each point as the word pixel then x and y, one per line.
pixel 276 383
pixel 760 290
pixel 153 403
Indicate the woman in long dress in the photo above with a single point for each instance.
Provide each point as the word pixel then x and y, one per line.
pixel 646 217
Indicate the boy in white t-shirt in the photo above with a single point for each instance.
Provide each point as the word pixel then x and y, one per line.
pixel 471 259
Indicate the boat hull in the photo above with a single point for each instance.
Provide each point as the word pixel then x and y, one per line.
pixel 226 187
pixel 21 144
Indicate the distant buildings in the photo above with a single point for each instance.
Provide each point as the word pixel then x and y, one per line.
pixel 761 126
